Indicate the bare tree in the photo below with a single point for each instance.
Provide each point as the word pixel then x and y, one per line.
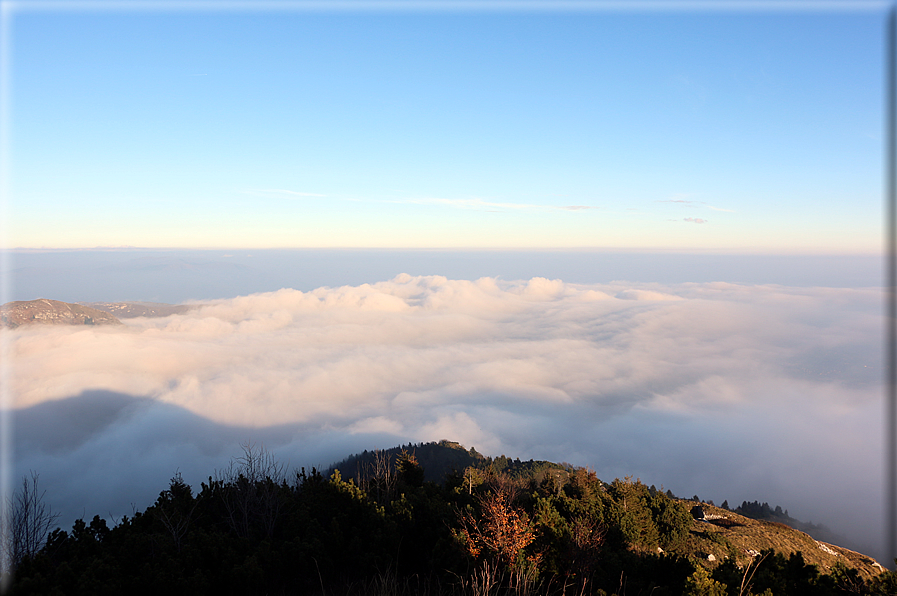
pixel 378 478
pixel 384 479
pixel 28 523
pixel 252 486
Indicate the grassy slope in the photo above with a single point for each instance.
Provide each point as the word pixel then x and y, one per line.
pixel 744 534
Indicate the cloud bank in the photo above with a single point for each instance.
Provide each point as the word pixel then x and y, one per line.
pixel 729 391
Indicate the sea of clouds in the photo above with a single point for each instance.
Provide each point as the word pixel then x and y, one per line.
pixel 727 391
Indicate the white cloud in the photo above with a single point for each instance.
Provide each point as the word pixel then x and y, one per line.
pixel 628 378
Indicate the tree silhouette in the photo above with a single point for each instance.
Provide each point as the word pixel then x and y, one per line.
pixel 175 509
pixel 409 470
pixel 252 490
pixel 27 523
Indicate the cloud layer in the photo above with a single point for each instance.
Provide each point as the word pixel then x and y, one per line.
pixel 728 391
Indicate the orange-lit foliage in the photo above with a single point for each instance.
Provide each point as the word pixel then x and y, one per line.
pixel 501 529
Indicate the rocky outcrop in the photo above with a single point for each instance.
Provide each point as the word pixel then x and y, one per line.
pixel 52 312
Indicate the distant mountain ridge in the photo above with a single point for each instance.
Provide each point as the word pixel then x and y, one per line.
pixel 130 310
pixel 55 312
pixel 52 312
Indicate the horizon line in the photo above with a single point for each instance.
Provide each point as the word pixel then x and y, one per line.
pixel 791 251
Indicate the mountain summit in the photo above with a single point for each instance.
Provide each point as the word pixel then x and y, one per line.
pixel 52 312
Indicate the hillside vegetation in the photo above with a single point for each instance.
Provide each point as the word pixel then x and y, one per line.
pixel 469 524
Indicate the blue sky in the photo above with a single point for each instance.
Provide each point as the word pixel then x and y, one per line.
pixel 715 131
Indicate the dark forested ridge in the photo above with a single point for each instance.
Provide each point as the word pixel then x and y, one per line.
pixel 432 518
pixel 442 459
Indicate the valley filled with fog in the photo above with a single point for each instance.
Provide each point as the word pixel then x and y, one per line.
pixel 726 390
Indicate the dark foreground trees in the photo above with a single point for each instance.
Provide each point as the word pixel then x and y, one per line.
pixel 25 523
pixel 254 529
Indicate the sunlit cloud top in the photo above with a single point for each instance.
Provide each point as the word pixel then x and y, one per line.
pixel 626 378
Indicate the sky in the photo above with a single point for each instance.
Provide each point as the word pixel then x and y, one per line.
pixel 703 130
pixel 644 241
